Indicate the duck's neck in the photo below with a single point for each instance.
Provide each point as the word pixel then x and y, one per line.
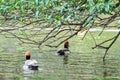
pixel 27 57
pixel 65 46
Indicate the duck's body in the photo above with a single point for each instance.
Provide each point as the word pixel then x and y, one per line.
pixel 30 65
pixel 64 52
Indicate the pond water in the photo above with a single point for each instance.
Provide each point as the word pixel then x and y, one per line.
pixel 84 63
pixel 81 66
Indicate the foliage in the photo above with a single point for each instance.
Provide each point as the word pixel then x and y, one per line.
pixel 60 11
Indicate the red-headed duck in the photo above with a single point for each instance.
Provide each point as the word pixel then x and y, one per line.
pixel 30 64
pixel 64 52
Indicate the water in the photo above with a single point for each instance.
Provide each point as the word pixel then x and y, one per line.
pixel 83 64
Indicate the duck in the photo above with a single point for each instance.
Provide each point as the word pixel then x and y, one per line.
pixel 30 64
pixel 64 52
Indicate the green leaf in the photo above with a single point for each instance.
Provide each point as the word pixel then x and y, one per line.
pixel 2 1
pixel 88 20
pixel 55 3
pixel 98 6
pixel 68 17
pixel 58 23
pixel 90 2
pixel 21 1
pixel 37 13
pixel 107 7
pixel 57 17
pixel 61 9
pixel 36 2
pixel 92 9
pixel 22 8
pixel 46 2
pixel 49 17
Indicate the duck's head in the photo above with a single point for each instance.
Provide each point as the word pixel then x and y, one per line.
pixel 27 54
pixel 66 44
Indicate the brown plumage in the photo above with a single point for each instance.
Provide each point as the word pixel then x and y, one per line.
pixel 64 52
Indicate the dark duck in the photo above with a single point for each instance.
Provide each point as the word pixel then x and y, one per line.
pixel 64 52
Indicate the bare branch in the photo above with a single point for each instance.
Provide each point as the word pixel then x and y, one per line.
pixel 109 46
pixel 116 37
pixel 110 19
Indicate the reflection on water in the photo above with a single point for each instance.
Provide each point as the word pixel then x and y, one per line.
pixel 28 73
pixel 105 74
pixel 109 70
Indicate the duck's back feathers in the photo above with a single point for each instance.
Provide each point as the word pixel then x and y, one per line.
pixel 30 64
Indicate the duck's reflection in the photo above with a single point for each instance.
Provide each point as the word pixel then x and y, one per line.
pixel 29 73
